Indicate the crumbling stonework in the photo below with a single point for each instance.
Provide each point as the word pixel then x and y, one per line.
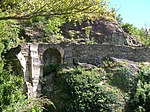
pixel 34 56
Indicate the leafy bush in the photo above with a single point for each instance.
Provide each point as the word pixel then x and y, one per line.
pixel 82 92
pixel 12 96
pixel 130 28
pixel 124 79
pixel 33 105
pixel 120 75
pixel 53 26
pixel 140 101
pixel 9 34
pixel 11 91
pixel 142 34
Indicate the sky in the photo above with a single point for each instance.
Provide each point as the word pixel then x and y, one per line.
pixel 136 12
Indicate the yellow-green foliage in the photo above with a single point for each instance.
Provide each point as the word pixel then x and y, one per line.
pixel 9 33
pixel 20 9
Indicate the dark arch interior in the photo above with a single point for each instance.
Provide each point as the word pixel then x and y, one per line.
pixel 51 56
pixel 51 61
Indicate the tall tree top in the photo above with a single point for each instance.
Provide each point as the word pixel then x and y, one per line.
pixel 26 9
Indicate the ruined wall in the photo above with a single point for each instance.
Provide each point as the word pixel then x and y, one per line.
pixel 33 57
pixel 93 54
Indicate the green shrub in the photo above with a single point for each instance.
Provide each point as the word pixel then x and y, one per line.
pixel 12 96
pixel 140 101
pixel 142 34
pixel 53 26
pixel 124 79
pixel 33 105
pixel 11 91
pixel 9 34
pixel 82 92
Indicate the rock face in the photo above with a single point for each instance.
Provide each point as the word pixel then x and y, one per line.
pixel 100 31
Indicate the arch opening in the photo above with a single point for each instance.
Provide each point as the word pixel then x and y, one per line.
pixel 51 61
pixel 51 56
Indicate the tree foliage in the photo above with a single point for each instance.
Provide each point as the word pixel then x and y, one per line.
pixel 11 91
pixel 130 28
pixel 142 34
pixel 25 9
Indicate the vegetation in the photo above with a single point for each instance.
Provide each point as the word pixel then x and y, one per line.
pixel 11 91
pixel 20 9
pixel 140 100
pixel 112 87
pixel 87 93
pixel 141 34
pixel 47 15
pixel 12 96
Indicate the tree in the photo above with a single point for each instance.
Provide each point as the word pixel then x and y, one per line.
pixel 119 19
pixel 130 28
pixel 26 9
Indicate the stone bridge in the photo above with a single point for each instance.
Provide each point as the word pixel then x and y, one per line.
pixel 33 57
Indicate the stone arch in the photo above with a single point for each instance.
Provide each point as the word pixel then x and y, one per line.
pixel 47 48
pixel 51 56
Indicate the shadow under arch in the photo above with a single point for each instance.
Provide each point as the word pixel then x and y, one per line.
pixel 52 58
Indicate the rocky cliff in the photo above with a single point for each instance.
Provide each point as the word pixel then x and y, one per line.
pixel 100 31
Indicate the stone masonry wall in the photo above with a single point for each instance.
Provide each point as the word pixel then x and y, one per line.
pixel 94 53
pixel 31 58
